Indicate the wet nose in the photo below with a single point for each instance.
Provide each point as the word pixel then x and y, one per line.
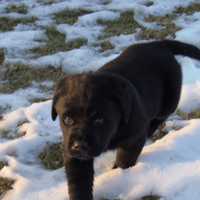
pixel 80 146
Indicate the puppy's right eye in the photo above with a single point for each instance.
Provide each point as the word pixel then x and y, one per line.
pixel 68 120
pixel 99 121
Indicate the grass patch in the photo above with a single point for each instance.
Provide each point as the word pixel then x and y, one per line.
pixel 160 133
pixel 57 43
pixel 169 28
pixel 38 100
pixel 8 134
pixel 18 9
pixel 2 164
pixel 124 25
pixel 68 16
pixel 53 156
pixel 4 133
pixel 106 2
pixel 150 197
pixel 12 134
pixel 3 109
pixel 5 185
pixel 187 116
pixel 161 20
pixel 2 56
pixel 192 8
pixel 149 3
pixel 106 45
pixel 19 76
pixel 48 2
pixel 8 24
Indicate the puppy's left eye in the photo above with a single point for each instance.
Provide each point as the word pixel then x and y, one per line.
pixel 99 121
pixel 68 120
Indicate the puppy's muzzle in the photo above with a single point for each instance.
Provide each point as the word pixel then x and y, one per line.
pixel 80 146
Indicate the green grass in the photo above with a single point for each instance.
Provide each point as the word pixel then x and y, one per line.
pixel 68 16
pixel 189 10
pixel 18 9
pixel 169 28
pixel 19 76
pixel 57 43
pixel 124 25
pixel 8 24
pixel 53 156
pixel 106 45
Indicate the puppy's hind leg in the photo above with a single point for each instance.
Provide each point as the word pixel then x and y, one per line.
pixel 128 154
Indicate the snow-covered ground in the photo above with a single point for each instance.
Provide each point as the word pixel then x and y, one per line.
pixel 169 168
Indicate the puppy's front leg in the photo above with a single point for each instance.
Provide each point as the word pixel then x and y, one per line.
pixel 80 175
pixel 128 154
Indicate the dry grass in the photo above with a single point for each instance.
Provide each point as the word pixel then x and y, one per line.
pixel 68 16
pixel 18 9
pixel 162 131
pixel 169 28
pixel 57 43
pixel 105 2
pixel 18 76
pixel 150 197
pixel 191 9
pixel 124 25
pixel 106 45
pixel 2 56
pixel 5 184
pixel 8 24
pixel 53 156
pixel 149 3
pixel 190 115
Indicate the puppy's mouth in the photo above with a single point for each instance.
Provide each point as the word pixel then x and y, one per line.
pixel 84 157
pixel 80 156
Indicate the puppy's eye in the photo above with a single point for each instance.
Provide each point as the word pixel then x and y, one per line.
pixel 99 121
pixel 68 120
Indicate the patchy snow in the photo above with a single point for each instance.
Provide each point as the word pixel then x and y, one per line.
pixel 169 168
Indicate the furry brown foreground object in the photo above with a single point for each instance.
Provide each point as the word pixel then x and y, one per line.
pixel 117 107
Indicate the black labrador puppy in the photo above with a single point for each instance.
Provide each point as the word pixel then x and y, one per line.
pixel 117 107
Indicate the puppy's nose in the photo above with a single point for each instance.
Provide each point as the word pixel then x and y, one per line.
pixel 80 146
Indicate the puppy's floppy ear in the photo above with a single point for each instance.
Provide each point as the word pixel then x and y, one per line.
pixel 53 109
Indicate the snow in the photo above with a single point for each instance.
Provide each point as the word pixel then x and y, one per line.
pixel 169 168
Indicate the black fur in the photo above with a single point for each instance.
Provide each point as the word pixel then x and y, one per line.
pixel 117 107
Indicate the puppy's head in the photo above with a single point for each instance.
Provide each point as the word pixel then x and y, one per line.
pixel 91 108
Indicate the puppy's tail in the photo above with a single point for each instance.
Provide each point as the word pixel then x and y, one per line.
pixel 179 48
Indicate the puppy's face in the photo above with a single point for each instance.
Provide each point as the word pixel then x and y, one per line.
pixel 89 114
